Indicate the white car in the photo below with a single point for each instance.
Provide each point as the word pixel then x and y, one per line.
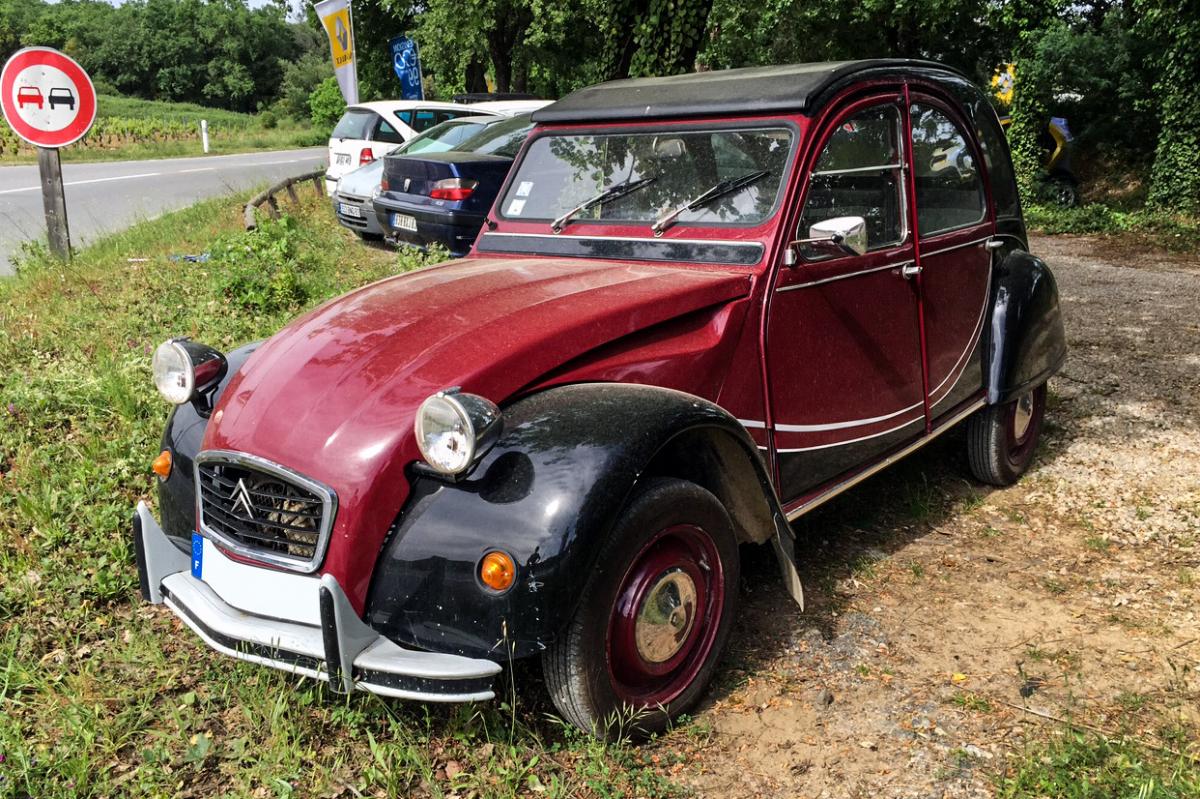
pixel 370 130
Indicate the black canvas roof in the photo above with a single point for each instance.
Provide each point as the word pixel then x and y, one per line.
pixel 793 87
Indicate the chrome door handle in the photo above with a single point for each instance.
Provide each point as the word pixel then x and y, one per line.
pixel 909 271
pixel 994 244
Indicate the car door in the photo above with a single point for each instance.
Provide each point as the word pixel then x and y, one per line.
pixel 954 228
pixel 843 347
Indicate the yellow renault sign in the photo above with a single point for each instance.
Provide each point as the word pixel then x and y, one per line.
pixel 338 20
pixel 337 25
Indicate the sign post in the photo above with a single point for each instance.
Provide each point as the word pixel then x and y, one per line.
pixel 50 102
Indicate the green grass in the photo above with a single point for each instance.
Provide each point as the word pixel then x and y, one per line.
pixel 101 695
pixel 1170 231
pixel 1079 766
pixel 128 128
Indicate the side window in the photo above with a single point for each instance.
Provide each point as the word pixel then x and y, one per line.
pixel 859 174
pixel 423 120
pixel 406 117
pixel 446 116
pixel 1000 170
pixel 386 133
pixel 950 191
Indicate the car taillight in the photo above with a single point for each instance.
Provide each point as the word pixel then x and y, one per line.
pixel 366 156
pixel 453 189
pixel 383 185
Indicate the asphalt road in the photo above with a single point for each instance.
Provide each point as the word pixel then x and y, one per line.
pixel 105 197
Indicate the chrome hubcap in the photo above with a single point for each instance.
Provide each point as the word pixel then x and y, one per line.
pixel 666 616
pixel 1023 416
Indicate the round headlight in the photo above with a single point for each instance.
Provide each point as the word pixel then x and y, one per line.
pixel 174 375
pixel 454 430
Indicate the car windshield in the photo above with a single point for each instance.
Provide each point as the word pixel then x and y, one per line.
pixel 563 171
pixel 444 137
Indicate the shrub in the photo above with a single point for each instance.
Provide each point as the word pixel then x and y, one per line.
pixel 258 270
pixel 326 104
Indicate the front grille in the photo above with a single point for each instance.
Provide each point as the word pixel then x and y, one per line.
pixel 263 510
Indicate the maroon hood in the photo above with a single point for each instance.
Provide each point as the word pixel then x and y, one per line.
pixel 333 394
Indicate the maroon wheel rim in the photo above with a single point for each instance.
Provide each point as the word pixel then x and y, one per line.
pixel 1024 419
pixel 666 616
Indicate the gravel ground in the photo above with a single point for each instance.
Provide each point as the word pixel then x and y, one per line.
pixel 947 621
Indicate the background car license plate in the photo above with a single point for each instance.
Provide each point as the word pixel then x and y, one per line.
pixel 343 159
pixel 350 210
pixel 404 222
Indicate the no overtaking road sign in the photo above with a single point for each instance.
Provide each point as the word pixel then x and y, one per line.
pixel 48 99
pixel 50 102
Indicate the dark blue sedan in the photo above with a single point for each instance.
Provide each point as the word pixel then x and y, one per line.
pixel 443 197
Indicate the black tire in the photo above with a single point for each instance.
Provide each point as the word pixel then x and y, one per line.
pixel 1064 192
pixel 1001 439
pixel 601 685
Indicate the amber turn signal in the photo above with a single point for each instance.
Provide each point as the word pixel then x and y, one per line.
pixel 497 571
pixel 162 464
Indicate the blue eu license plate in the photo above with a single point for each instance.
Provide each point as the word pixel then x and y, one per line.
pixel 197 555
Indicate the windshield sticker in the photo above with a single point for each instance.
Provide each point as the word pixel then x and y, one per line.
pixel 525 188
pixel 516 207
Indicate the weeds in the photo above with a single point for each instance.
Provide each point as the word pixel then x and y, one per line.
pixel 101 696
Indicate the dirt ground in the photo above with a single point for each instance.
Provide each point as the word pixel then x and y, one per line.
pixel 946 620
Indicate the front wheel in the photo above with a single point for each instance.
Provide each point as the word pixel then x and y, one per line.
pixel 653 616
pixel 1001 439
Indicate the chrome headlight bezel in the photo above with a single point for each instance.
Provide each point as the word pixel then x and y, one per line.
pixel 454 430
pixel 184 369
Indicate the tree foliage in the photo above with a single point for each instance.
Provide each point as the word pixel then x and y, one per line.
pixel 217 52
pixel 1175 179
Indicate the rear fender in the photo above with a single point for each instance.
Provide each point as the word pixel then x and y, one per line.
pixel 548 494
pixel 1026 343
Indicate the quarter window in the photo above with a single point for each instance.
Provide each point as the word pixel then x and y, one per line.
pixel 859 174
pixel 949 187
pixel 386 133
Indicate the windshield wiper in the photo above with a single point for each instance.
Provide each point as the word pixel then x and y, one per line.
pixel 727 186
pixel 611 193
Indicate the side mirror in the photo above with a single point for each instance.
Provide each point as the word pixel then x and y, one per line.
pixel 842 235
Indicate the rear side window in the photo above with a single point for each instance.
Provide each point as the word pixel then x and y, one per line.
pixel 386 133
pixel 949 187
pixel 858 174
pixel 354 124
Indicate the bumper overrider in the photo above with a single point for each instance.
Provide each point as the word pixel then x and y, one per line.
pixel 239 610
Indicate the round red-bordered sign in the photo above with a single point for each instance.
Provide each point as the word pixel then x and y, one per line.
pixel 47 98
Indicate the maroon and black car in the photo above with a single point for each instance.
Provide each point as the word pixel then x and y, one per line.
pixel 701 306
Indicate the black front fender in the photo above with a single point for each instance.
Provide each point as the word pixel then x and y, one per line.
pixel 548 493
pixel 1026 343
pixel 182 436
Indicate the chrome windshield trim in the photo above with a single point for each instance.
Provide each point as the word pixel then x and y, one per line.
pixel 647 239
pixel 329 505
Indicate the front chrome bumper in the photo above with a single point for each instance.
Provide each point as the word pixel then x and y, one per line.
pixel 341 649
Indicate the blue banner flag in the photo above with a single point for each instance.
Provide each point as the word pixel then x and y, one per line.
pixel 407 63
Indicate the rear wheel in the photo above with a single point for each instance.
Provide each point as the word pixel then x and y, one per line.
pixel 1001 439
pixel 653 617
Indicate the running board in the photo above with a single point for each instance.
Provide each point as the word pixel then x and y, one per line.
pixel 851 482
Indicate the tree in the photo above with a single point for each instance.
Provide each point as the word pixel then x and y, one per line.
pixel 1175 27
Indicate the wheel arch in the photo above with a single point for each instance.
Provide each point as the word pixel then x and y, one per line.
pixel 552 488
pixel 1025 340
